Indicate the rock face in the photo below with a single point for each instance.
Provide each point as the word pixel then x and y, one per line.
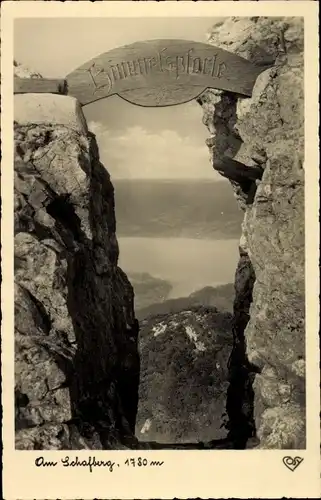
pixel 76 367
pixel 266 132
pixel 184 376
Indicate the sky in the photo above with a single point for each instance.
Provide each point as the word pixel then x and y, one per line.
pixel 134 142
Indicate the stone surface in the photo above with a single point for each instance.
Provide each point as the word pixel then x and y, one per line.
pixel 76 368
pixel 23 71
pixel 184 376
pixel 49 109
pixel 269 311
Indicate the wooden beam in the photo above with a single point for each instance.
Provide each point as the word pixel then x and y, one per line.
pixel 39 85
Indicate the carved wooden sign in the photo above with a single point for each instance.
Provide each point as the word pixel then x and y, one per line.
pixel 162 73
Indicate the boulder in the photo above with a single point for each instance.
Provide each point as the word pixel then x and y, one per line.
pixel 184 376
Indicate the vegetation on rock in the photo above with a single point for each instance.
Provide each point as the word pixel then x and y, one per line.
pixel 184 376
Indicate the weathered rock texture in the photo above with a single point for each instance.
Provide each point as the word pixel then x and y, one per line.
pixel 23 71
pixel 266 132
pixel 184 376
pixel 77 364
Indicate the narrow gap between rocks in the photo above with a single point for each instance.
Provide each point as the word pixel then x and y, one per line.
pixel 175 213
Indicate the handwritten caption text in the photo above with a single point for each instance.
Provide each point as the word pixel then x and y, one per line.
pixel 92 462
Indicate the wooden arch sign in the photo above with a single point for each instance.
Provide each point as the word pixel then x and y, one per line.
pixel 158 73
pixel 162 73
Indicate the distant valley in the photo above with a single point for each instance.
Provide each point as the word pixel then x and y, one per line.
pixel 178 242
pixel 148 290
pixel 151 297
pixel 220 297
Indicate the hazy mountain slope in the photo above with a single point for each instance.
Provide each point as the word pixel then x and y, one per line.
pixel 221 297
pixel 184 376
pixel 180 208
pixel 148 289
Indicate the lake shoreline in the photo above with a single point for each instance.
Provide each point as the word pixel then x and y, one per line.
pixel 187 264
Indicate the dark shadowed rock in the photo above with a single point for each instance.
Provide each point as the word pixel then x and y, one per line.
pixel 77 365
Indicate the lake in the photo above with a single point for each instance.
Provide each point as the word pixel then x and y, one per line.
pixel 188 264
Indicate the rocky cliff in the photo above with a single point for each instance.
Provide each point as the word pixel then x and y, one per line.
pixel 266 132
pixel 77 365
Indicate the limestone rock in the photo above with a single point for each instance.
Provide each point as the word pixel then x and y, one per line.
pixel 267 130
pixel 49 109
pixel 74 366
pixel 184 376
pixel 22 71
